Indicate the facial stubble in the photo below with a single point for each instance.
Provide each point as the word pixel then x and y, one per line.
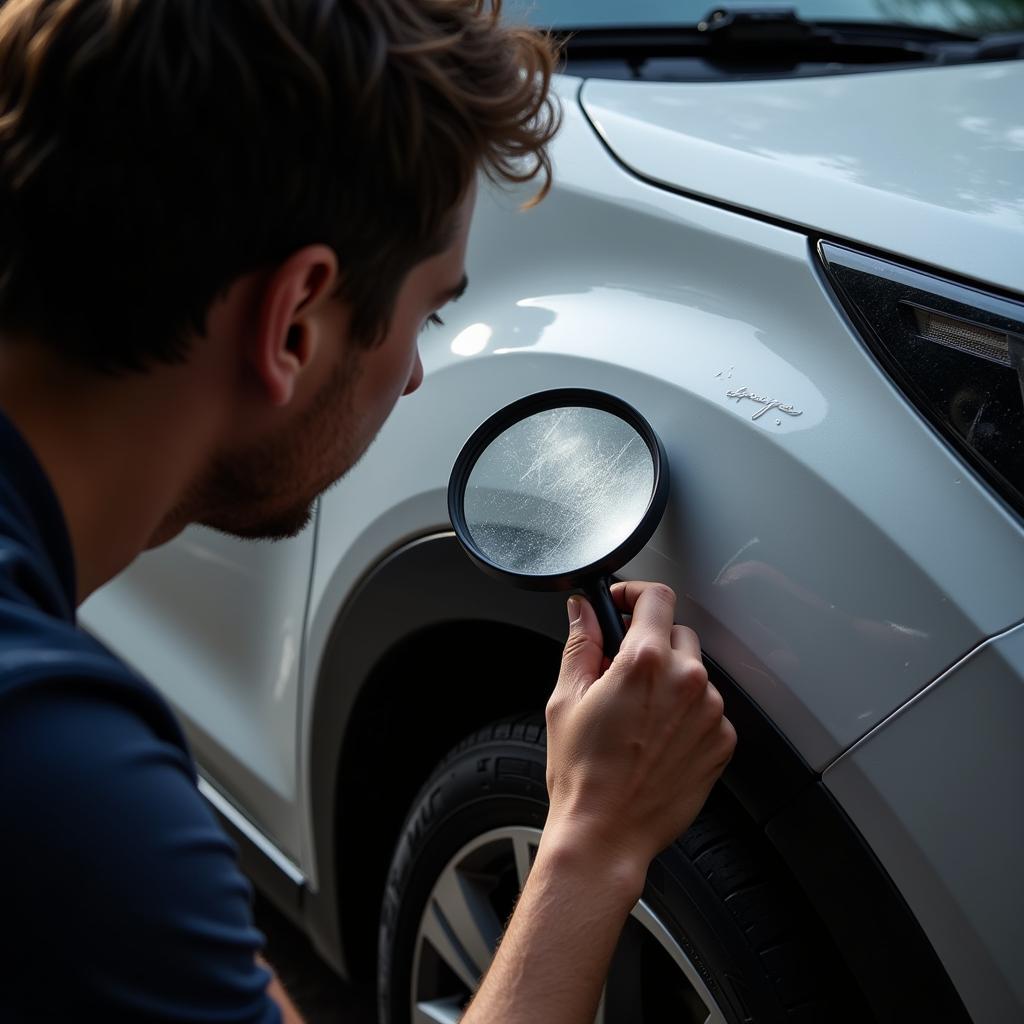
pixel 266 491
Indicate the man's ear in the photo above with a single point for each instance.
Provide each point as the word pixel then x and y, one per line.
pixel 288 331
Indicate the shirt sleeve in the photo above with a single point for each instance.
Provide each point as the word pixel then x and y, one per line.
pixel 124 898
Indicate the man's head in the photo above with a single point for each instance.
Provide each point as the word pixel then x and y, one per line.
pixel 290 179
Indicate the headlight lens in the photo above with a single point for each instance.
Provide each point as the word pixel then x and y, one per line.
pixel 956 352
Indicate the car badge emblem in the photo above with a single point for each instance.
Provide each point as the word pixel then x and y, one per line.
pixel 769 403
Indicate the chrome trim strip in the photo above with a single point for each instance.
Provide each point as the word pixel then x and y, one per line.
pixel 919 696
pixel 223 806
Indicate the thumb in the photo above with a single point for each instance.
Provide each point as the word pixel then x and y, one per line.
pixel 583 658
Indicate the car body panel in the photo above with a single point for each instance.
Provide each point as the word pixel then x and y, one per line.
pixel 834 554
pixel 672 304
pixel 217 624
pixel 936 791
pixel 927 163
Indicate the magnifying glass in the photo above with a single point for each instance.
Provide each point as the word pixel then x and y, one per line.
pixel 559 490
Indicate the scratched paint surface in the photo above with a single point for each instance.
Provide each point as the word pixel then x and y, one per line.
pixel 558 491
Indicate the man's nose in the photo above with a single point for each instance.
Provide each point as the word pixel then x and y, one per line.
pixel 416 377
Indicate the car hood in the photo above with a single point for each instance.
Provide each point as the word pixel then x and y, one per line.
pixel 928 164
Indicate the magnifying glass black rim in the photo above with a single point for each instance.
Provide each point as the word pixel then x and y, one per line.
pixel 541 401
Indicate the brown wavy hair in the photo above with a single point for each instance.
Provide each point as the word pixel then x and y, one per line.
pixel 151 151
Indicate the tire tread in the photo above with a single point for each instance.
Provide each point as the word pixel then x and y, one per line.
pixel 761 905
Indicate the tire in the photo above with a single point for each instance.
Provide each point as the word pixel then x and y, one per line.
pixel 721 934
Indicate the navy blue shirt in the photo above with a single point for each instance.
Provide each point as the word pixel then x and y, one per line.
pixel 122 899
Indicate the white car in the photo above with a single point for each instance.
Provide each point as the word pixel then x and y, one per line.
pixel 797 248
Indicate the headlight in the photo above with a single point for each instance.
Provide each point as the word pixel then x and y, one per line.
pixel 956 352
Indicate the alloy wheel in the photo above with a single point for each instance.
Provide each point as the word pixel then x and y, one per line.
pixel 651 979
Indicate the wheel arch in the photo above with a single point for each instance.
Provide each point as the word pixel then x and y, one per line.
pixel 390 641
pixel 369 749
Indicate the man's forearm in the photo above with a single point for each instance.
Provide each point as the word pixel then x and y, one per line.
pixel 555 953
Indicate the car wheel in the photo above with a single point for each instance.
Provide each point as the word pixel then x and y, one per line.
pixel 720 935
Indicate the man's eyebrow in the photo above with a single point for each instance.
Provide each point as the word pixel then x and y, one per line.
pixel 453 293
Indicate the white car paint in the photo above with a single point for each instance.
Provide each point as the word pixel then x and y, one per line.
pixel 671 304
pixel 925 162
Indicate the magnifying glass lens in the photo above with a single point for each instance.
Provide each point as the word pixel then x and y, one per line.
pixel 558 490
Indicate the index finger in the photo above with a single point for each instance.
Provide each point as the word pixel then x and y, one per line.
pixel 626 593
pixel 653 607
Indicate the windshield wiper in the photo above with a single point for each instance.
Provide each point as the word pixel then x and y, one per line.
pixel 777 37
pixel 763 26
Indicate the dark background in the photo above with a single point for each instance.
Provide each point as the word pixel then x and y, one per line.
pixel 316 990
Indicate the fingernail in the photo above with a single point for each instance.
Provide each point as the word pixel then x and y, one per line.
pixel 574 609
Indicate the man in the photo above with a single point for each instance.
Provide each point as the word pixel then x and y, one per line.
pixel 222 228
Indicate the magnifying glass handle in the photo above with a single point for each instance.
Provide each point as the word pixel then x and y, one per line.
pixel 608 616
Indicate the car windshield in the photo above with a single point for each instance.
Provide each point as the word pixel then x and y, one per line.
pixel 975 17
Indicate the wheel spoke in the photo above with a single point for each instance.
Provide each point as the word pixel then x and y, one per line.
pixel 438 1011
pixel 524 850
pixel 461 923
pixel 715 1016
pixel 436 930
pixel 646 917
pixel 464 907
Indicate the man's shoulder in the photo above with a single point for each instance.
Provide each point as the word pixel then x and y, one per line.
pixel 117 878
pixel 44 659
pixel 85 738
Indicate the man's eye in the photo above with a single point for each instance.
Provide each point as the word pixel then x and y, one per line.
pixel 433 321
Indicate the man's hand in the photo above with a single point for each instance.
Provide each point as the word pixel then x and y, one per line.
pixel 634 747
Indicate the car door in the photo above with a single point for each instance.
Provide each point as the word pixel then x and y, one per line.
pixel 216 624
